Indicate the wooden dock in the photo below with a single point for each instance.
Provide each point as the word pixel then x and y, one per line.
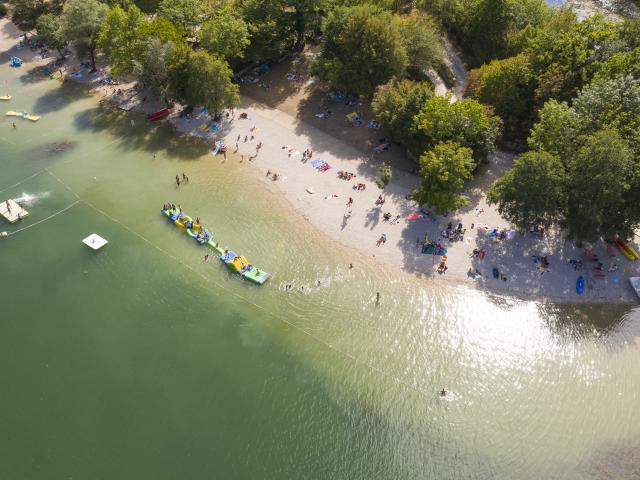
pixel 11 211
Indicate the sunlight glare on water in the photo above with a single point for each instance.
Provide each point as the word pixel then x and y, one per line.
pixel 147 362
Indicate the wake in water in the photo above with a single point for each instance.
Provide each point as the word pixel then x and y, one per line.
pixel 29 199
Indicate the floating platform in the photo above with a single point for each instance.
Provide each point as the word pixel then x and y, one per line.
pixel 95 241
pixel 25 115
pixel 13 212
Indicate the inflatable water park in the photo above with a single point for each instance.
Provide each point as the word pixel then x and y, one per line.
pixel 237 263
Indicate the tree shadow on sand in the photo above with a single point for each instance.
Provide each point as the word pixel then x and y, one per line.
pixel 141 135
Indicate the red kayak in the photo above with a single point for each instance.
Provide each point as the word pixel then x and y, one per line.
pixel 152 117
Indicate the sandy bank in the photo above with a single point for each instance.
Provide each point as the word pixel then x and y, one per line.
pixel 285 136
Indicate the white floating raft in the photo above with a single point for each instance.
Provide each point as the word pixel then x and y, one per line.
pixel 95 241
pixel 14 212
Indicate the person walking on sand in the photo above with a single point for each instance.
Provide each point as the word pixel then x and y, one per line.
pixel 246 138
pixel 350 202
pixel 177 180
pixel 238 139
pixel 184 177
pixel 14 125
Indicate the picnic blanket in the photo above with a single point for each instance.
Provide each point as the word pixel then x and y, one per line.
pixel 320 165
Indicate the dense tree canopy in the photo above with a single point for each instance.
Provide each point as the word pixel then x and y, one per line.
pixel 186 13
pixel 225 33
pixel 81 22
pixel 506 85
pixel 467 123
pixel 556 129
pixel 26 12
pixel 602 189
pixel 422 40
pixel 444 170
pixel 202 79
pixel 396 104
pixel 154 65
pixel 531 192
pixel 49 29
pixel 361 50
pixel 120 38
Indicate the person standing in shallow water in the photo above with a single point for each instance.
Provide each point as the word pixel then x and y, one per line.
pixel 377 298
pixel 177 180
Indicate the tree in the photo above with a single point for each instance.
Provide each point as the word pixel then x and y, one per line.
pixel 362 49
pixel 488 26
pixel 603 187
pixel 225 33
pixel 163 29
pixel 202 79
pixel 385 175
pixel 507 86
pixel 611 104
pixel 444 169
pixel 120 38
pixel 422 40
pixel 396 104
pixel 556 129
pixel 563 54
pixel 81 21
pixel 307 18
pixel 621 64
pixel 467 123
pixel 271 28
pixel 533 191
pixel 186 13
pixel 26 12
pixel 153 68
pixel 49 29
pixel 148 6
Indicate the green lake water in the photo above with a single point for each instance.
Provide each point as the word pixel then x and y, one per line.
pixel 141 361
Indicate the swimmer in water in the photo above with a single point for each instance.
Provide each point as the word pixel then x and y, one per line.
pixel 443 393
pixel 377 298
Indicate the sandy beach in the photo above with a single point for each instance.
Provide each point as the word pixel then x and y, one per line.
pixel 286 126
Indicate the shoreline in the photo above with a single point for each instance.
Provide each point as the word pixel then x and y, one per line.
pixel 324 208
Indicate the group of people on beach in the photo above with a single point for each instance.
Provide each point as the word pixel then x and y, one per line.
pixel 185 179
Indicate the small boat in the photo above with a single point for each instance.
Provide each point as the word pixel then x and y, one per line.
pixel 13 113
pixel 33 118
pixel 6 98
pixel 152 117
pixel 627 250
pixel 580 285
